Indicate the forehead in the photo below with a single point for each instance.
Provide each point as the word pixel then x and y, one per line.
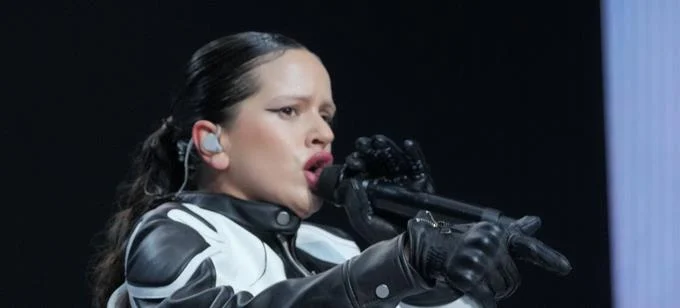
pixel 295 73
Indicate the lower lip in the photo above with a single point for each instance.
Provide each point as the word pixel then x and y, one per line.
pixel 312 178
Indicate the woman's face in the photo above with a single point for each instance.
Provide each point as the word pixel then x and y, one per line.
pixel 279 132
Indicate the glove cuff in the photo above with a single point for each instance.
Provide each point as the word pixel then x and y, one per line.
pixel 381 274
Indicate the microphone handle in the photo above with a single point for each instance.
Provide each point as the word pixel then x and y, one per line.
pixel 408 203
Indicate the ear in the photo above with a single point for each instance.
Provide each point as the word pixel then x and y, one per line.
pixel 199 132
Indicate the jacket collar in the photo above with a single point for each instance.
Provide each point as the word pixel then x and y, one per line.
pixel 252 215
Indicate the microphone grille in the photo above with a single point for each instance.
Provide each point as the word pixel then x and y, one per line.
pixel 328 181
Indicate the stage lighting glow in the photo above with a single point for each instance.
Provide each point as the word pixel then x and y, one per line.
pixel 642 90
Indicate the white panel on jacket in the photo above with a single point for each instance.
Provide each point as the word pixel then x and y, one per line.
pixel 245 263
pixel 324 245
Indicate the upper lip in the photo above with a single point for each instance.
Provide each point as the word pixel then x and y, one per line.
pixel 319 160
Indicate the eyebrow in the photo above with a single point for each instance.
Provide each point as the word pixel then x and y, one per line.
pixel 305 98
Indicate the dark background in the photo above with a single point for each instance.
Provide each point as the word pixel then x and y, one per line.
pixel 505 99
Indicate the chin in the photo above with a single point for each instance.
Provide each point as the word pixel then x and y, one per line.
pixel 313 205
pixel 316 204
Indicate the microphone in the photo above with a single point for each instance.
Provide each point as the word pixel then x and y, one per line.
pixel 405 202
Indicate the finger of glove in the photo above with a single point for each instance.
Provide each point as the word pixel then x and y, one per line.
pixel 527 224
pixel 357 207
pixel 416 157
pixel 374 163
pixel 381 141
pixel 475 259
pixel 355 201
pixel 508 277
pixel 355 163
pixel 536 252
pixel 419 170
pixel 475 255
pixel 363 145
pixel 496 282
pixel 464 279
pixel 469 266
pixel 499 269
pixel 484 236
pixel 483 295
pixel 389 153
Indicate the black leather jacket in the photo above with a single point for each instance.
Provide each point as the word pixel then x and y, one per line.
pixel 212 250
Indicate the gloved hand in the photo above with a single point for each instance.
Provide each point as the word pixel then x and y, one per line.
pixel 378 157
pixel 477 258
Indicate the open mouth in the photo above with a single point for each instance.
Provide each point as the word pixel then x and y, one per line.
pixel 318 161
pixel 315 165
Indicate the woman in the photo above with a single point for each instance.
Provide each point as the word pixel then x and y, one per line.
pixel 213 216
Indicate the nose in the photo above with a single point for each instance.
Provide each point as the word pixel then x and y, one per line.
pixel 321 135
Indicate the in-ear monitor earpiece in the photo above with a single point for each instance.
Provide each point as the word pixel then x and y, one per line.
pixel 211 142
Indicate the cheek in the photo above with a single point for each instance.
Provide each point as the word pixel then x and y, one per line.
pixel 259 135
pixel 276 142
pixel 268 149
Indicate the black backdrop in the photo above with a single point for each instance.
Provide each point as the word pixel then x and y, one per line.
pixel 505 98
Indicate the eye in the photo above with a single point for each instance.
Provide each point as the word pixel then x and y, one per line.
pixel 328 118
pixel 286 112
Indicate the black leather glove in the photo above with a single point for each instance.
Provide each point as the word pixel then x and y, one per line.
pixel 378 157
pixel 362 218
pixel 476 259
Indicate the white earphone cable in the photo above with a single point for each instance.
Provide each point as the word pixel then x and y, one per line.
pixel 186 167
